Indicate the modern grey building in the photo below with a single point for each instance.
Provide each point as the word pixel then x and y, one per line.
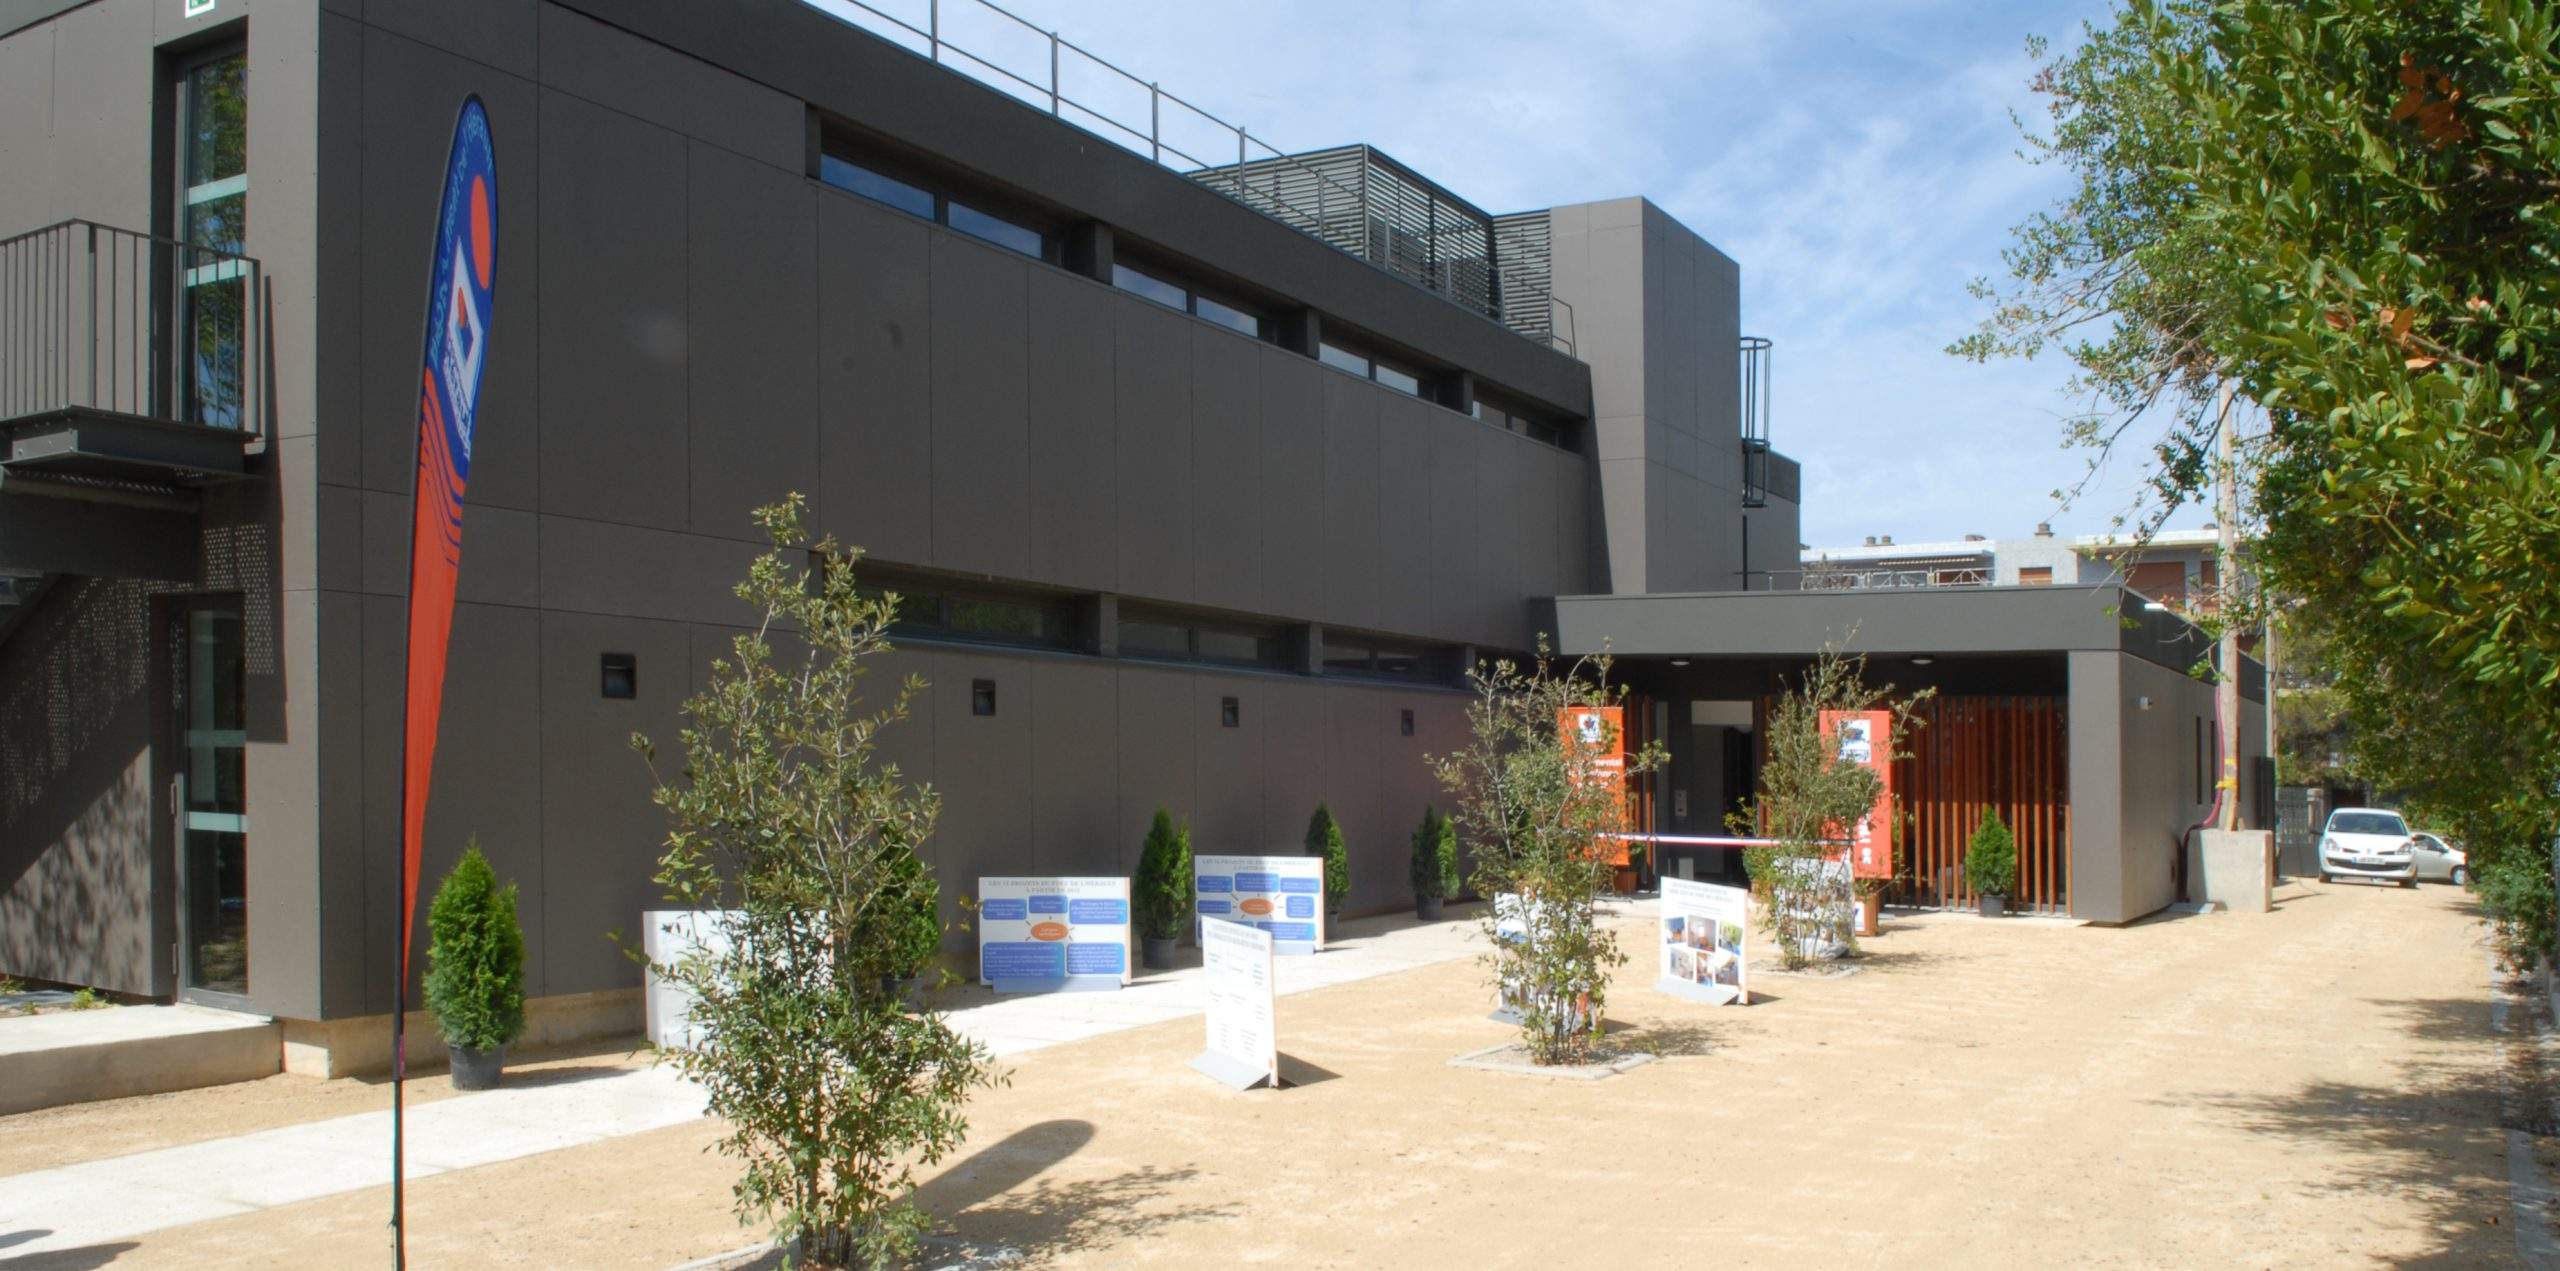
pixel 1209 474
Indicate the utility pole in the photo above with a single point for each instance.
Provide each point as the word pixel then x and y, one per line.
pixel 2227 552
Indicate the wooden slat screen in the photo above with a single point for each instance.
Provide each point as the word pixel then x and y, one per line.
pixel 2002 753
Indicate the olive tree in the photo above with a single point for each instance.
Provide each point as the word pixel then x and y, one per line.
pixel 1540 808
pixel 784 823
pixel 1808 799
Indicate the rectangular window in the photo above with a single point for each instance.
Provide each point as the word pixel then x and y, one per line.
pixel 1227 316
pixel 213 220
pixel 845 175
pixel 1138 283
pixel 1236 646
pixel 2035 576
pixel 997 230
pixel 1340 358
pixel 1398 379
pixel 1162 638
pixel 1344 658
pixel 1380 660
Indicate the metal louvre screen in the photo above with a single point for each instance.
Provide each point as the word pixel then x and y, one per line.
pixel 1364 203
pixel 1521 246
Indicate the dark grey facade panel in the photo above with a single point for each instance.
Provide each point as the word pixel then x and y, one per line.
pixel 751 319
pixel 1074 462
pixel 875 388
pixel 981 486
pixel 1153 361
pixel 804 54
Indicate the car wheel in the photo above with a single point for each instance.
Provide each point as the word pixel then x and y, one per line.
pixel 2461 876
pixel 2326 878
pixel 2410 882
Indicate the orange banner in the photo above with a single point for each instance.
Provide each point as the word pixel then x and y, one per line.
pixel 1865 738
pixel 1602 729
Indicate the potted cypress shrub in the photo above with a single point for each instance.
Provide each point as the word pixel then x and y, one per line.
pixel 1163 890
pixel 1324 838
pixel 475 969
pixel 1991 864
pixel 1435 864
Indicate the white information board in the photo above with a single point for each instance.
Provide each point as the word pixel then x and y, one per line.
pixel 1039 935
pixel 1244 1043
pixel 1282 895
pixel 1705 945
pixel 1512 921
pixel 666 936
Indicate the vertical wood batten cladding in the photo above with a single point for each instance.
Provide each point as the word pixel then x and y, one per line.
pixel 1969 754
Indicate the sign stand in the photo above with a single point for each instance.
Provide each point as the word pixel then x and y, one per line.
pixel 1243 1041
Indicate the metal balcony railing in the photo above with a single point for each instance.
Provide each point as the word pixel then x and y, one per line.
pixel 108 321
pixel 1853 578
pixel 1755 421
pixel 1316 193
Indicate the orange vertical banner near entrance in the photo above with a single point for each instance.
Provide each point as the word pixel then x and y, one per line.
pixel 1865 738
pixel 1602 729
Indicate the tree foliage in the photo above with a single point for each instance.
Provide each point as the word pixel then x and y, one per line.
pixel 1435 857
pixel 1808 799
pixel 2344 210
pixel 1324 838
pixel 1163 884
pixel 831 1085
pixel 1991 856
pixel 475 956
pixel 1538 809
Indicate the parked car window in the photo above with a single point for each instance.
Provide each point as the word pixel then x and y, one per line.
pixel 2367 823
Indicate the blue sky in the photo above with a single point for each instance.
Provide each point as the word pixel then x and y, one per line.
pixel 1855 156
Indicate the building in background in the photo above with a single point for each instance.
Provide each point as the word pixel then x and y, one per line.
pixel 1209 470
pixel 2177 568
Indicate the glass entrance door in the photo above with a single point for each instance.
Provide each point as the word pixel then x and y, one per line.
pixel 213 820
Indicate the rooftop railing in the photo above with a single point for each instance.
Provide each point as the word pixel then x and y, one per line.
pixel 1310 193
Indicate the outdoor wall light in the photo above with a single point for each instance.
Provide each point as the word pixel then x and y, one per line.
pixel 1679 661
pixel 1922 661
pixel 2142 703
pixel 621 676
pixel 1405 724
pixel 982 697
pixel 1230 712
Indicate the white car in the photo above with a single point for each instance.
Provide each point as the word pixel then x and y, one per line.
pixel 2442 862
pixel 2368 843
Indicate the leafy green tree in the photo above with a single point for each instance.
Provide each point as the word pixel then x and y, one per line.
pixel 1324 838
pixel 1163 883
pixel 832 1088
pixel 475 956
pixel 1538 809
pixel 2343 212
pixel 1435 857
pixel 1808 798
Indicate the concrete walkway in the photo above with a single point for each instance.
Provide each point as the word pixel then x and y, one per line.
pixel 96 1202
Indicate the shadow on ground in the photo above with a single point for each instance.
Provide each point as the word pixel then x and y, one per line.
pixel 2431 1144
pixel 80 1259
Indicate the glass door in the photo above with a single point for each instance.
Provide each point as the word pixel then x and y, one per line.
pixel 213 821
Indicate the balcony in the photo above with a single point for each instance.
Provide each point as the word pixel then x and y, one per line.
pixel 133 368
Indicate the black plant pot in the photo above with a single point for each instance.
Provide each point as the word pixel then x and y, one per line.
pixel 477 1069
pixel 1427 908
pixel 1156 954
pixel 1994 906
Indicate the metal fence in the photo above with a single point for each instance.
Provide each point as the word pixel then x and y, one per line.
pixel 1851 578
pixel 1755 420
pixel 98 318
pixel 1345 197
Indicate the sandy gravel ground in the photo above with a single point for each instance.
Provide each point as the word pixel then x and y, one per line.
pixel 2319 1086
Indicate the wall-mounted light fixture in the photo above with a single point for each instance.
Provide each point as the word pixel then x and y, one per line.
pixel 2142 703
pixel 1230 712
pixel 1679 661
pixel 1922 661
pixel 621 676
pixel 982 697
pixel 1404 724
